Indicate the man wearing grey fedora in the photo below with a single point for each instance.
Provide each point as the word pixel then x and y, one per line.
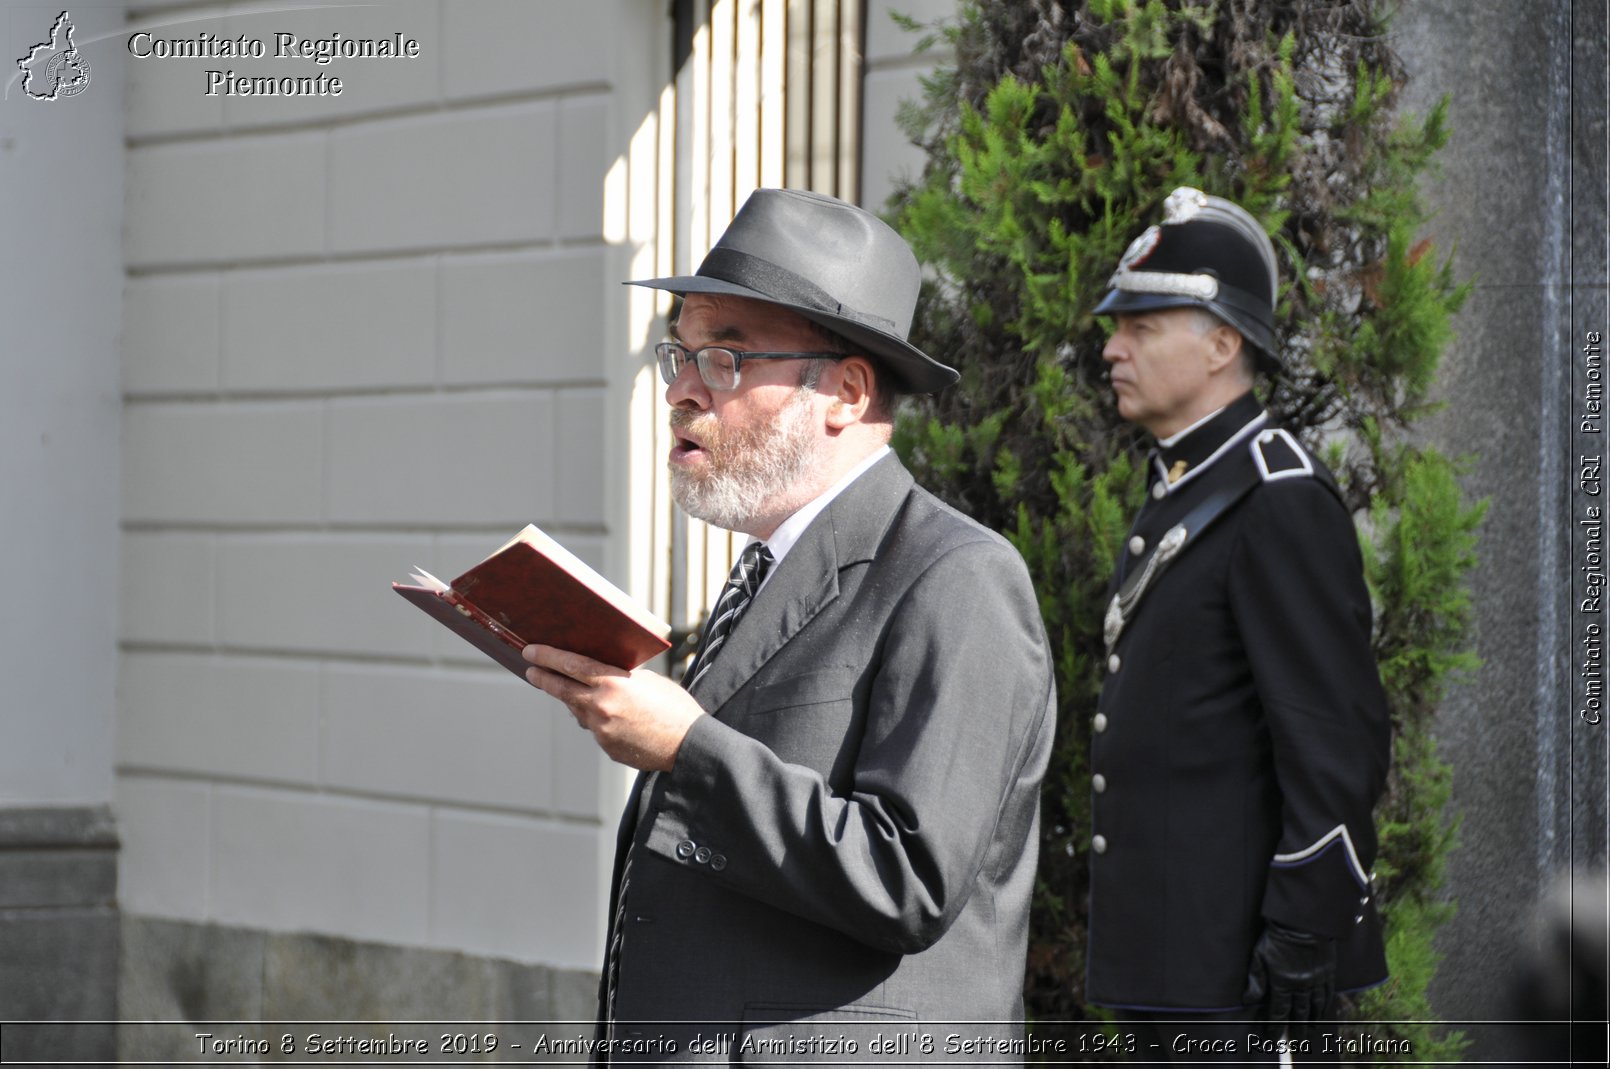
pixel 830 850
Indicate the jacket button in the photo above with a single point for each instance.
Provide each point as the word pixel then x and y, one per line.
pixel 1114 663
pixel 718 861
pixel 685 848
pixel 1098 843
pixel 1099 722
pixel 1098 782
pixel 1159 490
pixel 1359 919
pixel 702 855
pixel 1137 545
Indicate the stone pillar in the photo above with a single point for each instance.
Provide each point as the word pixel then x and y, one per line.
pixel 61 165
pixel 1520 202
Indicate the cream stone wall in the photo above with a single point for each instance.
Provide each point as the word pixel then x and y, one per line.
pixel 364 332
pixel 291 347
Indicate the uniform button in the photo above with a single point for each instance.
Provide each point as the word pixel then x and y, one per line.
pixel 1359 919
pixel 1099 844
pixel 685 848
pixel 1114 663
pixel 1099 722
pixel 702 855
pixel 1159 490
pixel 1137 545
pixel 718 861
pixel 1098 782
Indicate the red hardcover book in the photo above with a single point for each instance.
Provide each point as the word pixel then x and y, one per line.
pixel 535 590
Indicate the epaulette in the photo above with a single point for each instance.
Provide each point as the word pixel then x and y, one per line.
pixel 1278 456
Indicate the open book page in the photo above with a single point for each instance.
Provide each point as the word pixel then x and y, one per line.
pixel 428 581
pixel 540 540
pixel 534 590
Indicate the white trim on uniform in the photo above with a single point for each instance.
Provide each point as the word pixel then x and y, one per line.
pixel 1251 425
pixel 1167 283
pixel 1338 832
pixel 1285 473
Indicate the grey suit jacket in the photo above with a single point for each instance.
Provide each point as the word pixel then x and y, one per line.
pixel 851 835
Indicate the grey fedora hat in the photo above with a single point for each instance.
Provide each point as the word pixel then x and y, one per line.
pixel 837 265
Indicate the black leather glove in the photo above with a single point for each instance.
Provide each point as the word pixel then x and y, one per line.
pixel 1293 979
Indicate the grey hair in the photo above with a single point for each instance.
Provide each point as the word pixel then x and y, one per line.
pixel 885 398
pixel 1204 322
pixel 811 373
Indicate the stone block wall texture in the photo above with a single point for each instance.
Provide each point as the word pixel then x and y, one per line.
pixel 363 333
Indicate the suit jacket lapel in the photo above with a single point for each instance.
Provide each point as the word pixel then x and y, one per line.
pixel 847 532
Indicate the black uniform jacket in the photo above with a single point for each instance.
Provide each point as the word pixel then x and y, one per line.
pixel 850 836
pixel 1242 736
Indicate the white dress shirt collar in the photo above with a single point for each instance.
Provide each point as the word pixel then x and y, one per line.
pixel 789 531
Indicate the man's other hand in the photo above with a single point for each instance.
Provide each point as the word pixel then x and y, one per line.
pixel 1293 977
pixel 639 718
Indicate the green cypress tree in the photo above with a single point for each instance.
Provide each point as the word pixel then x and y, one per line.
pixel 1052 138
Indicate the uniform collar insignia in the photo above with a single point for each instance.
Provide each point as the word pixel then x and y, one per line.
pixel 1186 456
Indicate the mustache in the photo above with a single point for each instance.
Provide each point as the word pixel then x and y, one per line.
pixel 702 427
pixel 687 418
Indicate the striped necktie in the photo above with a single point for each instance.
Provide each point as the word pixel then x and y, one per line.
pixel 747 575
pixel 753 564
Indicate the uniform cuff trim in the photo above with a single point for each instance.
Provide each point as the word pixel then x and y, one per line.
pixel 1319 846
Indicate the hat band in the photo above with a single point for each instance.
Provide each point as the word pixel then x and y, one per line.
pixel 1196 287
pixel 1202 287
pixel 782 285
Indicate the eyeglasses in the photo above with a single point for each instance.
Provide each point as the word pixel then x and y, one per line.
pixel 719 367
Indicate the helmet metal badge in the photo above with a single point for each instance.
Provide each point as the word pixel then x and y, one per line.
pixel 1207 253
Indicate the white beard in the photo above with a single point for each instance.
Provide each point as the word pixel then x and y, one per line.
pixel 750 474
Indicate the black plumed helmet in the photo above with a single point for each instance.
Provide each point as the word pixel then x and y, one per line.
pixel 1207 253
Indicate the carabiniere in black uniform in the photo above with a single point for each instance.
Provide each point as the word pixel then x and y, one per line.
pixel 1242 736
